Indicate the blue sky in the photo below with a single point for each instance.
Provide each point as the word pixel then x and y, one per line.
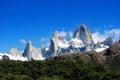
pixel 23 20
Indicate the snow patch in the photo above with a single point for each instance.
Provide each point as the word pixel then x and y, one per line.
pixel 76 42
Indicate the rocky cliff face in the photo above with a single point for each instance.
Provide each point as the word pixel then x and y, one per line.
pixel 113 50
pixel 83 34
pixel 54 44
pixel 108 41
pixel 27 50
pixel 32 53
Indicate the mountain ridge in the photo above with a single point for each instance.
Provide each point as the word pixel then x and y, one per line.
pixel 82 41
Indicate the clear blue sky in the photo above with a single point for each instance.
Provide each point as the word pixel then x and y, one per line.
pixel 35 19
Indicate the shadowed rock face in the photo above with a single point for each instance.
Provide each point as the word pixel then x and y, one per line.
pixel 28 49
pixel 113 50
pixel 83 34
pixel 53 47
pixel 108 41
pixel 112 55
pixel 4 57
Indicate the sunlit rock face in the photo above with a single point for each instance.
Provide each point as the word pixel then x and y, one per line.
pixel 32 53
pixel 83 34
pixel 54 44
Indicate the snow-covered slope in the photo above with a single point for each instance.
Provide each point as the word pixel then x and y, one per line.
pixel 15 52
pixel 21 58
pixel 76 42
pixel 101 46
pixel 1 54
pixel 12 57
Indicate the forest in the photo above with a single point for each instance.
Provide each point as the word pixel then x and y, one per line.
pixel 51 69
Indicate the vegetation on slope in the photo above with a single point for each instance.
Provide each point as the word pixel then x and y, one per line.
pixel 55 70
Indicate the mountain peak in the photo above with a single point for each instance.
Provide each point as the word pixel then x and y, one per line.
pixel 83 34
pixel 15 52
pixel 108 41
pixel 55 35
pixel 83 27
pixel 29 43
pixel 28 49
pixel 81 42
pixel 31 52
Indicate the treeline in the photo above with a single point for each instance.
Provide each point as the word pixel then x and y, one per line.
pixel 55 70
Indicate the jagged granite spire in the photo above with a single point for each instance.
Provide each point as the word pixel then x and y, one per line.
pixel 53 45
pixel 108 41
pixel 28 49
pixel 43 50
pixel 32 53
pixel 83 34
pixel 55 35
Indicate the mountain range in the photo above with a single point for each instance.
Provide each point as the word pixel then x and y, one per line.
pixel 82 41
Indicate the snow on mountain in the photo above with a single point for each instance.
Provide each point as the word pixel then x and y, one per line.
pixel 76 42
pixel 15 52
pixel 81 42
pixel 101 46
pixel 12 57
pixel 62 45
pixel 32 53
pixel 0 57
pixel 108 41
pixel 100 49
pixel 83 34
pixel 21 58
pixel 54 44
pixel 1 54
pixel 62 42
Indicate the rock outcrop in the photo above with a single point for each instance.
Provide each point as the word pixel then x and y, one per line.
pixel 5 57
pixel 32 53
pixel 113 50
pixel 54 44
pixel 28 50
pixel 108 41
pixel 83 34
